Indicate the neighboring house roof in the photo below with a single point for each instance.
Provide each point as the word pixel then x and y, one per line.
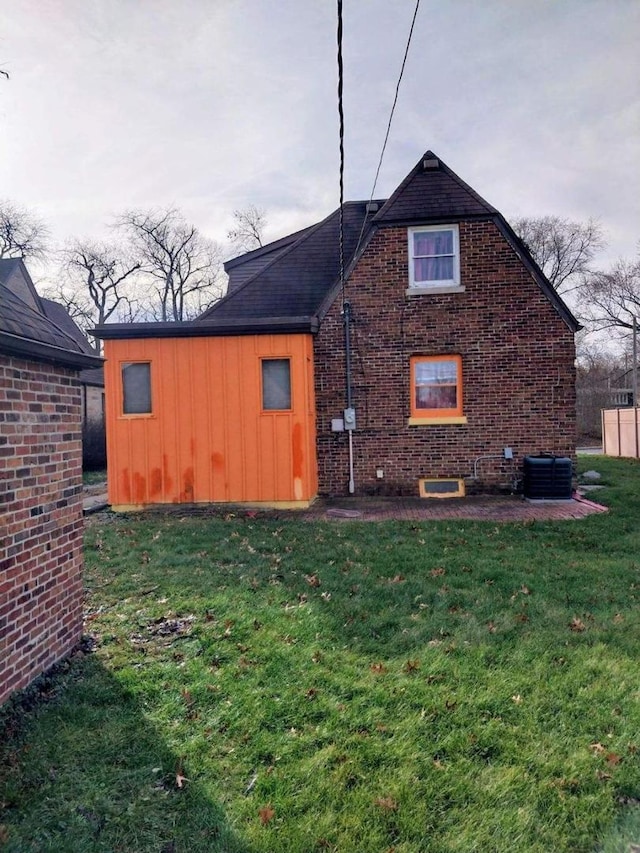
pixel 26 330
pixel 93 376
pixel 15 275
pixel 59 315
pixel 290 284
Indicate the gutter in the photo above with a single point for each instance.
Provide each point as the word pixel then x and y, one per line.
pixel 38 351
pixel 208 328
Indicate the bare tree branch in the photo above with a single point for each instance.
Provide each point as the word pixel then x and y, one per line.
pixel 247 232
pixel 563 249
pixel 182 266
pixel 612 298
pixel 96 281
pixel 22 233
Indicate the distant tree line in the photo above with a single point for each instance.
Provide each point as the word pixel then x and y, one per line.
pixel 156 267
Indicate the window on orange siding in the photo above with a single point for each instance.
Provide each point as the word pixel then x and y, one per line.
pixel 276 384
pixel 136 388
pixel 436 386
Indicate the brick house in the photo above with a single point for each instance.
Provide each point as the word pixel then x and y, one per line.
pixel 459 348
pixel 40 486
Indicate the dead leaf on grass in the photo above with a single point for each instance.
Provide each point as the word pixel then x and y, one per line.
pixel 312 580
pixel 612 759
pixel 436 573
pixel 597 748
pixel 491 627
pixel 412 666
pixel 378 668
pixel 387 804
pixel 577 625
pixel 618 619
pixel 396 579
pixel 266 814
pixel 180 780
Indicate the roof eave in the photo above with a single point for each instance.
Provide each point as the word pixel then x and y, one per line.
pixel 209 328
pixel 547 288
pixel 37 351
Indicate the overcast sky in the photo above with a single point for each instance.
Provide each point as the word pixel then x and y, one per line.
pixel 212 105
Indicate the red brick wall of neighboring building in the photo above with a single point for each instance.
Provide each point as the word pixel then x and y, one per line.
pixel 41 499
pixel 517 361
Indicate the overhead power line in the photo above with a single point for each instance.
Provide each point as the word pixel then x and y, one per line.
pixel 393 109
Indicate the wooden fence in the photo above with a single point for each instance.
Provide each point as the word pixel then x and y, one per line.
pixel 621 432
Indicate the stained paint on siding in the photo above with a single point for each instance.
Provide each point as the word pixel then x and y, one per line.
pixel 208 438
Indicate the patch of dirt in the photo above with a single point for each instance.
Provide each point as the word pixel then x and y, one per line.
pixel 166 628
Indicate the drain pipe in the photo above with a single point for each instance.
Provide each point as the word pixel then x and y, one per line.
pixel 349 412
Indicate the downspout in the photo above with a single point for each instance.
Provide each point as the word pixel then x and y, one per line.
pixel 349 412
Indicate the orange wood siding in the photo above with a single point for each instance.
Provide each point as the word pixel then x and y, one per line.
pixel 207 438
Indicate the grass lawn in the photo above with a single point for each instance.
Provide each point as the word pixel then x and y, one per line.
pixel 90 478
pixel 263 684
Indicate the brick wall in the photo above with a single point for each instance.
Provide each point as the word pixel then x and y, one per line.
pixel 517 360
pixel 41 536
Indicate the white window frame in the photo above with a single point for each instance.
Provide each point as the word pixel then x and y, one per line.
pixel 435 285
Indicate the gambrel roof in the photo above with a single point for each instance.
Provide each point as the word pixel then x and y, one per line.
pixel 289 284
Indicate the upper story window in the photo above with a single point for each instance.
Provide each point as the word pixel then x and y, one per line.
pixel 434 257
pixel 136 388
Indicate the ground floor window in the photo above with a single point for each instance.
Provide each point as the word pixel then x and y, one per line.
pixel 436 386
pixel 136 388
pixel 276 384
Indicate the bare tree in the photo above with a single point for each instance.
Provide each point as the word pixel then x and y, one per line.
pixel 247 232
pixel 612 298
pixel 96 283
pixel 563 249
pixel 182 266
pixel 597 376
pixel 22 233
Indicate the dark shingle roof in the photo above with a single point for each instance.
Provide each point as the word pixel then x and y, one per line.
pixel 245 266
pixel 93 376
pixel 59 315
pixel 296 282
pixel 29 333
pixel 431 191
pixel 290 284
pixel 16 276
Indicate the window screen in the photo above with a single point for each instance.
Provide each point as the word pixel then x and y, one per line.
pixel 136 388
pixel 276 383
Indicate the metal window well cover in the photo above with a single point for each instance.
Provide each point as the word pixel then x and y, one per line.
pixel 441 488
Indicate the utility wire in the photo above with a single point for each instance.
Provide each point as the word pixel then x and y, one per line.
pixel 393 108
pixel 341 116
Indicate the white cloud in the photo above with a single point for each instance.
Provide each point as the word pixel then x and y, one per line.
pixel 212 106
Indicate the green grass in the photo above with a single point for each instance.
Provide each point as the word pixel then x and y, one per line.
pixel 345 686
pixel 89 478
